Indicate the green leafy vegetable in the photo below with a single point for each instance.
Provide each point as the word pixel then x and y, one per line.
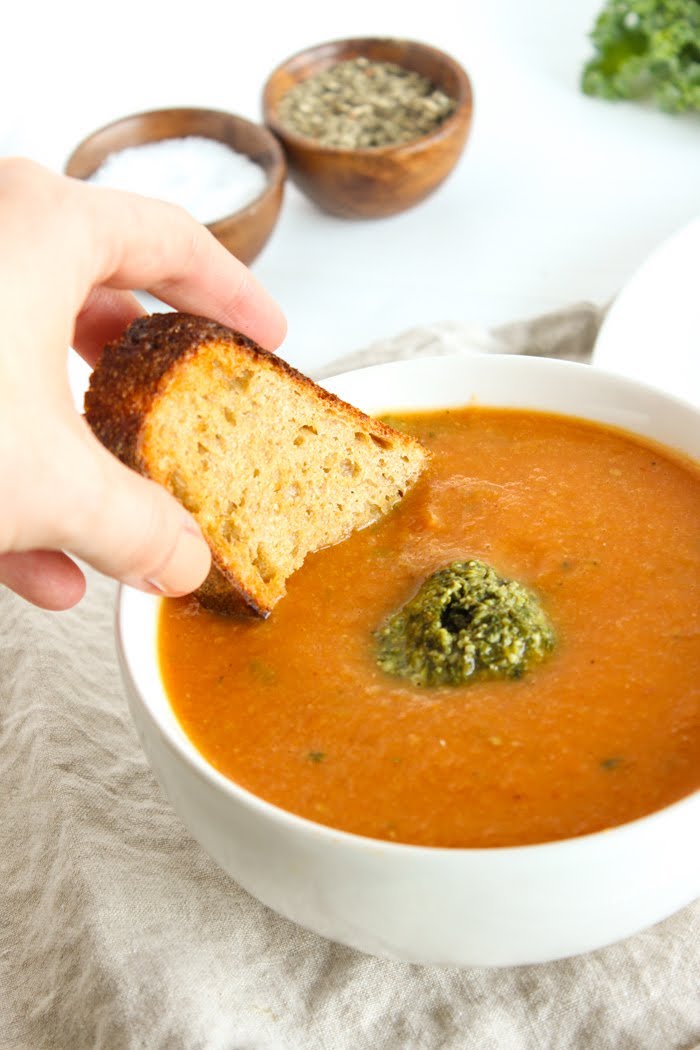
pixel 647 49
pixel 466 622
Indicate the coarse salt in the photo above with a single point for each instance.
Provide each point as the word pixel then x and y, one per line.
pixel 207 178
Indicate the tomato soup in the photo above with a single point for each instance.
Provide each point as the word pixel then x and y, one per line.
pixel 603 527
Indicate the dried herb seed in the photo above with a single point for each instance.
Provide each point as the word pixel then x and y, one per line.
pixel 611 763
pixel 360 104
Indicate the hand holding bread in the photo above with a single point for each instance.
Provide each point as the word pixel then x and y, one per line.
pixel 68 254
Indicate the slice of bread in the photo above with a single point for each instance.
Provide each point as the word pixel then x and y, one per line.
pixel 271 465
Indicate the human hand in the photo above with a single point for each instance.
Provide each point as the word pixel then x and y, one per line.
pixel 69 252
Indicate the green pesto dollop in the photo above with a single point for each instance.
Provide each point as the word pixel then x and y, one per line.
pixel 465 623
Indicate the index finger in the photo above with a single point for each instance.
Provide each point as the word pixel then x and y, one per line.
pixel 138 242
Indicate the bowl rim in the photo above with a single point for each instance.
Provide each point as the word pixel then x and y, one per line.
pixel 463 109
pixel 275 176
pixel 295 823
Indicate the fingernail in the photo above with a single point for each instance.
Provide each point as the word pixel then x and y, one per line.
pixel 154 586
pixel 186 567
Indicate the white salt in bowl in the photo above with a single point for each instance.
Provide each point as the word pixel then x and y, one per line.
pixel 244 231
pixel 458 907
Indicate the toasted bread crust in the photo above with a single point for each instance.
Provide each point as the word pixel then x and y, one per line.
pixel 133 372
pixel 125 385
pixel 131 369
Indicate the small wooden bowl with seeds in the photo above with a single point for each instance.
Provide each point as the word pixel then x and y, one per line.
pixel 370 126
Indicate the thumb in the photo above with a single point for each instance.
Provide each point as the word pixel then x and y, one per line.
pixel 134 530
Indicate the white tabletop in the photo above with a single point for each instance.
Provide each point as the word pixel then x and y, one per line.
pixel 557 198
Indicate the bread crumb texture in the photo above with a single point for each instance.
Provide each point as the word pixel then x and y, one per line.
pixel 271 465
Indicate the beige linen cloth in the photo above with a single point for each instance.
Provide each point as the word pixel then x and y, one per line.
pixel 119 933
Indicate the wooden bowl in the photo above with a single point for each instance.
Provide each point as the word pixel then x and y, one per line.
pixel 370 183
pixel 244 232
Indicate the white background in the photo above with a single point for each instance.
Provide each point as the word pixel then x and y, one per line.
pixel 557 198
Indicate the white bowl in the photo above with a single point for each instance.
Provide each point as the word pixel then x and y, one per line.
pixel 651 330
pixel 458 907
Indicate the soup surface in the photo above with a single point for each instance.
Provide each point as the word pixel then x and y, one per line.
pixel 603 527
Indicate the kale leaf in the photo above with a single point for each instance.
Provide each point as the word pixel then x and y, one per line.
pixel 647 49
